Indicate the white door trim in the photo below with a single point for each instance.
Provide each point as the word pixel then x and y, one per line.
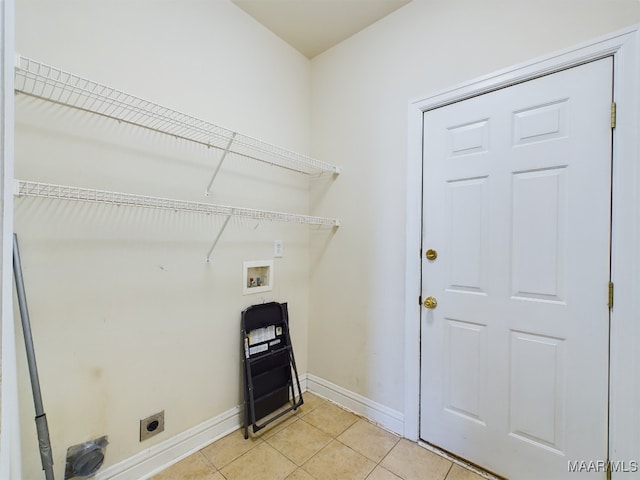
pixel 625 374
pixel 10 447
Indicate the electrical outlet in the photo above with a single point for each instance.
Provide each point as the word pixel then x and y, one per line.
pixel 278 248
pixel 151 425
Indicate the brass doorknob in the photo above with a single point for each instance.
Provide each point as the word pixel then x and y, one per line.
pixel 431 254
pixel 430 302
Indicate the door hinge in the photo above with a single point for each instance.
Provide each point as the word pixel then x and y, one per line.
pixel 610 295
pixel 613 114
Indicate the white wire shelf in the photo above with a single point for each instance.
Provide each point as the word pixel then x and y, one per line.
pixel 53 84
pixel 63 192
pixel 24 188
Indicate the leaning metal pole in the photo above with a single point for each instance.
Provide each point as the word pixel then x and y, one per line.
pixel 42 427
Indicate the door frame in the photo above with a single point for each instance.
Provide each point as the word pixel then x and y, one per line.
pixel 10 446
pixel 624 393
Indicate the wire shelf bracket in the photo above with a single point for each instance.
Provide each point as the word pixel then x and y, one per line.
pixel 215 242
pixel 224 155
pixel 23 188
pixel 53 84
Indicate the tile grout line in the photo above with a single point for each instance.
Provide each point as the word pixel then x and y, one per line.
pixel 208 461
pixel 458 461
pixel 335 437
pixel 448 471
pixel 332 438
pixel 379 464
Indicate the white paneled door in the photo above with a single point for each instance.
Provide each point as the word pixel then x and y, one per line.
pixel 516 225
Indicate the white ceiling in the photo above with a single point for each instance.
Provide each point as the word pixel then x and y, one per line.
pixel 313 26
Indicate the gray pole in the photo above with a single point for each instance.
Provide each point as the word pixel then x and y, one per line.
pixel 42 427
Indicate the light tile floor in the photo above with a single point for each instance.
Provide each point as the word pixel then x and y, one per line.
pixel 320 441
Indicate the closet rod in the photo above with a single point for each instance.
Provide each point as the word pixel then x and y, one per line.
pixel 53 84
pixel 64 192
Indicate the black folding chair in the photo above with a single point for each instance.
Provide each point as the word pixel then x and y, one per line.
pixel 270 373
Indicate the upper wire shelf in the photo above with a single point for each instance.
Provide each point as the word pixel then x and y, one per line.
pixel 56 85
pixel 64 192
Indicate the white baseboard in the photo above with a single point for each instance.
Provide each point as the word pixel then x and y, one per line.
pixel 158 457
pixel 386 417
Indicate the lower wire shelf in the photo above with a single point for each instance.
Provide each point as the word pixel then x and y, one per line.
pixel 23 188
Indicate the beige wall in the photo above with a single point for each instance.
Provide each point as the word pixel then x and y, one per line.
pixel 361 91
pixel 127 318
